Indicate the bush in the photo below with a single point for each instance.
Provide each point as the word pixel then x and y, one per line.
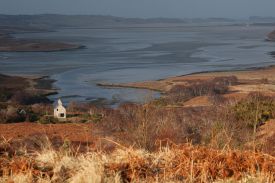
pixel 75 107
pixel 18 114
pixel 32 117
pixel 96 118
pixel 86 116
pixel 42 109
pixel 255 110
pixel 5 94
pixel 83 121
pixel 24 98
pixel 2 115
pixel 13 115
pixel 161 102
pixel 215 126
pixel 48 120
pixel 144 126
pixel 216 86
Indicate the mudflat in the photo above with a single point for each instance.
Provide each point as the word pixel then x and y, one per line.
pixel 10 44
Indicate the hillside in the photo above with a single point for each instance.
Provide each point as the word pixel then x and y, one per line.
pixel 55 21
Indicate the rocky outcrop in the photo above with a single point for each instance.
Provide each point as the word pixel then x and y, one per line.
pixel 271 36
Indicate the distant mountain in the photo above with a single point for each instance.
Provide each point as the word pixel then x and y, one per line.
pixel 54 21
pixel 48 21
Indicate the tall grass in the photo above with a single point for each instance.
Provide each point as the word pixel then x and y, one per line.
pixel 184 163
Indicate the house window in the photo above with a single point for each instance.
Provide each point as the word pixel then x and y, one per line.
pixel 62 115
pixel 56 109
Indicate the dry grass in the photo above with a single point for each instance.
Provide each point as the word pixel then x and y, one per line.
pixel 145 152
pixel 185 163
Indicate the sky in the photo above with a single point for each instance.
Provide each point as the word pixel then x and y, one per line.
pixel 143 8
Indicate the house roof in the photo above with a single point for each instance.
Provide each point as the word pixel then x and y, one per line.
pixel 58 104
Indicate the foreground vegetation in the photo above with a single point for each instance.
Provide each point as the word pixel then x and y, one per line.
pixel 185 163
pixel 161 141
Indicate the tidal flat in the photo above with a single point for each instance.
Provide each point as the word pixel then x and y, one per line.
pixel 123 55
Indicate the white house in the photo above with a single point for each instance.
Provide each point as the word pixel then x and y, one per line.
pixel 60 111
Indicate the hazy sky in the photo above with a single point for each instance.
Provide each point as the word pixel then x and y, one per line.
pixel 143 8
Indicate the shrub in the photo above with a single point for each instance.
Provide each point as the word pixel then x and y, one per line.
pixel 75 107
pixel 3 105
pixel 83 121
pixel 13 115
pixel 255 110
pixel 217 99
pixel 48 120
pixel 86 116
pixel 42 109
pixel 2 115
pixel 32 117
pixel 72 107
pixel 226 81
pixel 160 102
pixel 5 94
pixel 216 86
pixel 216 126
pixel 145 125
pixel 96 117
pixel 24 98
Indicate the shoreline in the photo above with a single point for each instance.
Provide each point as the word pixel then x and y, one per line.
pixel 136 84
pixel 76 47
pixel 226 71
pixel 252 76
pixel 113 85
pixel 250 80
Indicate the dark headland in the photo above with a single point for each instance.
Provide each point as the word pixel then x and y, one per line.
pixel 10 44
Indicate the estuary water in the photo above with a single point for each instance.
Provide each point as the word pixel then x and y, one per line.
pixel 118 55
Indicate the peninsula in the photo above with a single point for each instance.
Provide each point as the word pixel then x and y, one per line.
pixel 9 43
